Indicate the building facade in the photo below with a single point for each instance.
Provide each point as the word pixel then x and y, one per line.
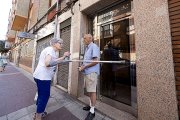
pixel 143 35
pixel 174 15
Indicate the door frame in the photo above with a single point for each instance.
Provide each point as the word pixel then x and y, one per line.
pixel 132 108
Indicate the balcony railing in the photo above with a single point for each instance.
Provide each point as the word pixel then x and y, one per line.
pixel 11 35
pixel 20 14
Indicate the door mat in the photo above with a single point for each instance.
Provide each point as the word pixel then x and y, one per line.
pixel 61 114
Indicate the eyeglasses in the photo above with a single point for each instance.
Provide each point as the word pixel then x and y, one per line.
pixel 60 43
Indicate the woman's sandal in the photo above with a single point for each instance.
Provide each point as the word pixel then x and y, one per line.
pixel 43 115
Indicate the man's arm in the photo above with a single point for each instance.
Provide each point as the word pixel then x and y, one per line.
pixel 89 65
pixel 93 63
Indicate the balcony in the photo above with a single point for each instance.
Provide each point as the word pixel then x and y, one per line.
pixel 11 35
pixel 91 6
pixel 20 14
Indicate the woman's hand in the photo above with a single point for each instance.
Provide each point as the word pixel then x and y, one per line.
pixel 67 54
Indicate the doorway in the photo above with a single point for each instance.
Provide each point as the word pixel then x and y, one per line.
pixel 118 81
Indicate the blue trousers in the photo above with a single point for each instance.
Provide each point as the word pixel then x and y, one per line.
pixel 43 89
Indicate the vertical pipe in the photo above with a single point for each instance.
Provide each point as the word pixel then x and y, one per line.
pixel 56 35
pixel 56 32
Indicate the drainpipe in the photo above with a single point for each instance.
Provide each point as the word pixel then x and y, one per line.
pixel 56 32
pixel 56 35
pixel 18 55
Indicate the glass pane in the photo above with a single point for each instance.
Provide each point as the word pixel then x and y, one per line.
pixel 116 78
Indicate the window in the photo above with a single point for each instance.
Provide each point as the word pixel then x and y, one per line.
pixel 50 3
pixel 107 31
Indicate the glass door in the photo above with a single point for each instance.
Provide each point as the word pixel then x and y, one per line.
pixel 116 80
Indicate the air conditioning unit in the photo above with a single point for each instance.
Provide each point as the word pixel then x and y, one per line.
pixel 7 45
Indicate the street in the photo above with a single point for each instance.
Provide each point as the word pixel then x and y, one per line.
pixel 17 91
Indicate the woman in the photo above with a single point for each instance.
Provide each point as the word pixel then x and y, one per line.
pixel 44 73
pixel 4 59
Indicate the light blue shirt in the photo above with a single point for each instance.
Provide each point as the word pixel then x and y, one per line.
pixel 91 51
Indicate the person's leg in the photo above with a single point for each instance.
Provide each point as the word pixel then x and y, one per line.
pixel 35 80
pixel 91 113
pixel 88 93
pixel 3 67
pixel 87 108
pixel 91 89
pixel 43 96
pixel 37 116
pixel 93 101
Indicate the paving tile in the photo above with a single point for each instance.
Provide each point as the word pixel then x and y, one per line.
pixel 27 117
pixel 55 90
pixel 52 102
pixel 18 114
pixel 98 116
pixel 31 109
pixel 52 106
pixel 57 96
pixel 3 108
pixel 63 102
pixel 3 118
pixel 107 118
pixel 76 110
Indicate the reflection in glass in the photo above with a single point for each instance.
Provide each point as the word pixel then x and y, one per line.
pixel 116 79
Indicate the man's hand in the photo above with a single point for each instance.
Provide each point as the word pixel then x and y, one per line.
pixel 81 68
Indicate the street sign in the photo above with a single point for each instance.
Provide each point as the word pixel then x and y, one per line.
pixel 26 35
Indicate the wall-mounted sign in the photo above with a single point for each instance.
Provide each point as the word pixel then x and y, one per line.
pixel 115 12
pixel 25 35
pixel 47 30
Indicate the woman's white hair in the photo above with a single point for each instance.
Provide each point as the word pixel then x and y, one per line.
pixel 56 40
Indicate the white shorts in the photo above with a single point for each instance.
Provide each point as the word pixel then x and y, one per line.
pixel 90 81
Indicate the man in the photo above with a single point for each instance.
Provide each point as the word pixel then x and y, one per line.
pixel 44 73
pixel 91 71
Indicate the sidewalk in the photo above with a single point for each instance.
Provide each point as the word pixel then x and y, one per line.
pixel 17 90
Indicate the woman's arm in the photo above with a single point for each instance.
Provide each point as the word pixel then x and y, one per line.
pixel 49 62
